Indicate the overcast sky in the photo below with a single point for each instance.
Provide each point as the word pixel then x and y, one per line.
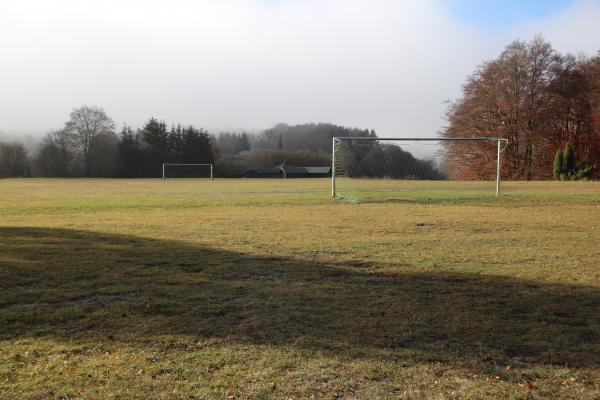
pixel 248 64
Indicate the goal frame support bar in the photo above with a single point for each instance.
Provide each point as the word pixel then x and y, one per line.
pixel 181 164
pixel 501 145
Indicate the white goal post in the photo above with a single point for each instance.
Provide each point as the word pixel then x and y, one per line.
pixel 164 176
pixel 378 167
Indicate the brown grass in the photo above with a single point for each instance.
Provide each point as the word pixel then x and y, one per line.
pixel 269 289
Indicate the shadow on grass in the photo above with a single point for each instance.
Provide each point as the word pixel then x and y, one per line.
pixel 80 285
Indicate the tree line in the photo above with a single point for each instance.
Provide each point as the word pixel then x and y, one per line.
pixel 89 146
pixel 542 102
pixel 380 160
pixel 545 103
pixel 304 144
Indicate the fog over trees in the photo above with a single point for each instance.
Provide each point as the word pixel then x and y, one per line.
pixel 87 146
pixel 542 101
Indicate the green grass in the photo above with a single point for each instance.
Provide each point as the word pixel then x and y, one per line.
pixel 270 289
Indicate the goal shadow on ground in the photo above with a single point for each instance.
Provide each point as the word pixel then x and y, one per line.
pixel 87 286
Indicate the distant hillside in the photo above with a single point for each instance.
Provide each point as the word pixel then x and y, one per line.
pixel 315 137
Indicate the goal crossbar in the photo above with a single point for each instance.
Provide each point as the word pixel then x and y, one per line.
pixel 501 146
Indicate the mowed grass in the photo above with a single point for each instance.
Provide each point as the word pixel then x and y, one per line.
pixel 235 289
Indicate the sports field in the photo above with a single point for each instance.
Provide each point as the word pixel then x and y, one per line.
pixel 417 191
pixel 236 289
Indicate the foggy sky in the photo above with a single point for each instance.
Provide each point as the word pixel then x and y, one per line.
pixel 248 64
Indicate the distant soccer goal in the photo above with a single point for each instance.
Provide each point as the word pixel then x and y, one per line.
pixel 388 169
pixel 176 170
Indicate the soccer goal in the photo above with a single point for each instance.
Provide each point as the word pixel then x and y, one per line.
pixel 177 170
pixel 388 169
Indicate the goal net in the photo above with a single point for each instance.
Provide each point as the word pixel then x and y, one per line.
pixel 382 169
pixel 174 170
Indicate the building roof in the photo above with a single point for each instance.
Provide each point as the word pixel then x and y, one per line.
pixel 295 169
pixel 318 170
pixel 291 170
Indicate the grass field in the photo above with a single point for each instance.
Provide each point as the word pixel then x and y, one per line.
pixel 418 191
pixel 236 289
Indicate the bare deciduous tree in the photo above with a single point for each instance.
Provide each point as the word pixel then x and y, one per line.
pixel 13 160
pixel 87 126
pixel 56 157
pixel 535 98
